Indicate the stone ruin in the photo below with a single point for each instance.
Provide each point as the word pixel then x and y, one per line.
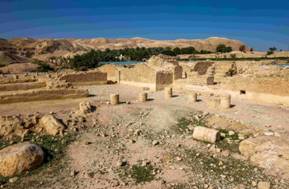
pixel 46 86
pixel 251 80
pixel 89 77
pixel 155 74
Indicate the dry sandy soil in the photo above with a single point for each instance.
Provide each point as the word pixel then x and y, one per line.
pixel 150 145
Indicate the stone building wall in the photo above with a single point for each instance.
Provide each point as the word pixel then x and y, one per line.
pixel 156 73
pixel 42 94
pixel 21 86
pixel 269 85
pixel 85 77
pixel 163 79
pixel 113 73
pixel 18 78
pixel 178 72
pixel 143 75
pixel 138 73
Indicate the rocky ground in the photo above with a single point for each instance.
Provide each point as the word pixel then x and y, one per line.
pixel 143 145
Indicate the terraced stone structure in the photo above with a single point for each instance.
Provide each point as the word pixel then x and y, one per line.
pixel 35 87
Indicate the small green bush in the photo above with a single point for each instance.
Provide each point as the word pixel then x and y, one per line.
pixel 269 52
pixel 142 173
pixel 242 48
pixel 43 66
pixel 223 48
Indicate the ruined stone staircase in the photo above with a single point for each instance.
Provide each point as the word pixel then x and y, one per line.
pixel 222 70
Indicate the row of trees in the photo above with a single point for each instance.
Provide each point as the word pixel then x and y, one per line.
pixel 94 57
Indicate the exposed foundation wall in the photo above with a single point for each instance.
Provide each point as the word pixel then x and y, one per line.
pixel 21 78
pixel 269 85
pixel 86 77
pixel 254 97
pixel 21 86
pixel 35 95
pixel 139 73
pixel 262 97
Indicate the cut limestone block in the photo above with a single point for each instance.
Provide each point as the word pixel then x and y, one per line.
pixel 225 102
pixel 248 147
pixel 194 97
pixel 210 81
pixel 168 92
pixel 85 107
pixel 268 152
pixel 264 185
pixel 114 99
pixel 19 158
pixel 206 134
pixel 51 125
pixel 143 97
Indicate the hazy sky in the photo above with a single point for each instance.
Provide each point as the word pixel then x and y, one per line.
pixel 259 23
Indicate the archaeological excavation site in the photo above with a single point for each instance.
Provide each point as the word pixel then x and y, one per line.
pixel 154 94
pixel 172 122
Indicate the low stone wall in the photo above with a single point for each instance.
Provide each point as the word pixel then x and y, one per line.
pixel 256 97
pixel 270 85
pixel 21 86
pixel 262 97
pixel 85 78
pixel 42 94
pixel 5 79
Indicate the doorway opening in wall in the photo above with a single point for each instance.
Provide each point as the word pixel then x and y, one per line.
pixel 242 92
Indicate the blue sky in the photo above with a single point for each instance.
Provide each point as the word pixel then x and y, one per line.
pixel 260 24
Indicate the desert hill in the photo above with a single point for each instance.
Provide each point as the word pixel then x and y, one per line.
pixel 209 44
pixel 8 58
pixel 34 47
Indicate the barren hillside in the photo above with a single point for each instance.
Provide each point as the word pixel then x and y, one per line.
pixel 48 46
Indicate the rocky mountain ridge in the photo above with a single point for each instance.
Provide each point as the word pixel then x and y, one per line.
pixel 46 46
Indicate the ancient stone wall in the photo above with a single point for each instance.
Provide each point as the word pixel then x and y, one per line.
pixel 202 67
pixel 138 73
pixel 156 73
pixel 112 72
pixel 168 63
pixel 18 78
pixel 143 75
pixel 85 77
pixel 22 86
pixel 163 79
pixel 178 72
pixel 43 94
pixel 271 85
